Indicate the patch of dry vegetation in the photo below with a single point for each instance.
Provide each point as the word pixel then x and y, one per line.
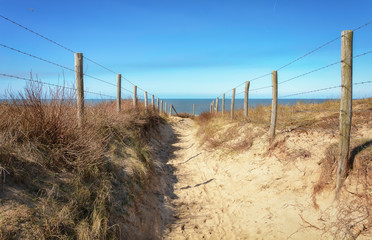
pixel 298 123
pixel 218 131
pixel 59 181
pixel 353 218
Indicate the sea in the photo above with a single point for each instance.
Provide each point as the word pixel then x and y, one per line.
pixel 203 105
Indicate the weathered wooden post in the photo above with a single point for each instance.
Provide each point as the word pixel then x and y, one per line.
pixel 170 110
pixel 246 99
pixel 193 110
pixel 79 76
pixel 166 108
pixel 274 104
pixel 118 92
pixel 210 107
pixel 346 105
pixel 157 103
pixel 217 105
pixel 213 110
pixel 135 100
pixel 223 104
pixel 232 103
pixel 153 102
pixel 146 102
pixel 161 106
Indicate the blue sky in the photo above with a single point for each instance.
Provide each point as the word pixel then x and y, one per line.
pixel 188 49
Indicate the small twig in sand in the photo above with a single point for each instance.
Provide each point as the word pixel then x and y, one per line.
pixel 3 171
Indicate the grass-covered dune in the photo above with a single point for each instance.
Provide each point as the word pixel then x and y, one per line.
pixel 60 181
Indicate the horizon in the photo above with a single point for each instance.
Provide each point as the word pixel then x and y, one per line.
pixel 180 50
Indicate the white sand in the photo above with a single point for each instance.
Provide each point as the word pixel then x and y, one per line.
pixel 251 195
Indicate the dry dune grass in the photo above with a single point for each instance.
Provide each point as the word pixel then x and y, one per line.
pixel 59 181
pixel 301 116
pixel 219 132
pixel 353 217
pixel 298 127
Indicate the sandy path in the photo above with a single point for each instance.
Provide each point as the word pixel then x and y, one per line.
pixel 251 195
pixel 232 198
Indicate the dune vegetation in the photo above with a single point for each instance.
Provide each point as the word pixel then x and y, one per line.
pixel 61 181
pixel 307 150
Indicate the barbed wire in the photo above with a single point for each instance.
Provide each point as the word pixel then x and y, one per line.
pixel 51 84
pixel 312 71
pixel 58 65
pixel 260 88
pixel 66 48
pixel 94 62
pixel 290 63
pixel 362 26
pixel 312 91
pixel 307 73
pixel 38 34
pixel 321 68
pixel 362 54
pixel 359 83
pixel 251 80
pixel 110 70
pixel 36 57
pixel 307 54
pixel 323 89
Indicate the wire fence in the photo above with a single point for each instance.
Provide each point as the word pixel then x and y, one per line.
pixel 295 119
pixel 227 93
pixel 324 119
pixel 298 59
pixel 63 67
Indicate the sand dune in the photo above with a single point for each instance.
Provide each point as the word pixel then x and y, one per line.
pixel 255 194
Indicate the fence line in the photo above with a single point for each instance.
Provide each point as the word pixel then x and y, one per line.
pixel 67 49
pixel 79 75
pixel 346 63
pixel 303 56
pixel 345 111
pixel 52 84
pixel 58 65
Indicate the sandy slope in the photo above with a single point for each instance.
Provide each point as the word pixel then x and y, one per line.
pixel 251 195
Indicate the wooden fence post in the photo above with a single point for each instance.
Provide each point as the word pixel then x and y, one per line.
pixel 161 106
pixel 193 110
pixel 217 105
pixel 171 109
pixel 223 104
pixel 146 102
pixel 274 104
pixel 157 103
pixel 213 110
pixel 153 102
pixel 79 76
pixel 232 103
pixel 346 105
pixel 134 96
pixel 166 108
pixel 210 107
pixel 246 99
pixel 118 92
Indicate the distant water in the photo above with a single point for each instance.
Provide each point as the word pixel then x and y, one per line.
pixel 203 105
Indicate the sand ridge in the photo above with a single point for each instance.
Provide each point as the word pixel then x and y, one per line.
pixel 251 195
